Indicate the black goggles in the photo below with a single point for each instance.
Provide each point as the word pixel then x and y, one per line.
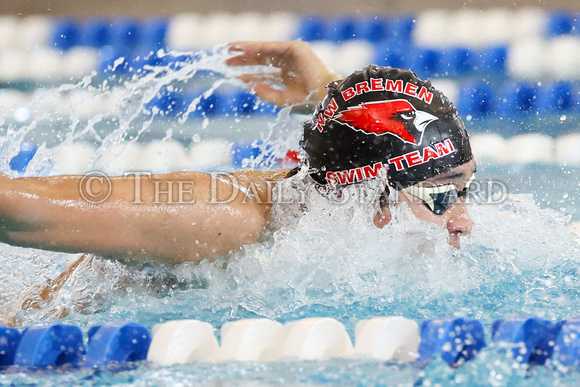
pixel 439 198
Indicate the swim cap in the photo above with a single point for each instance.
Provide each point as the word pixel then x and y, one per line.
pixel 383 117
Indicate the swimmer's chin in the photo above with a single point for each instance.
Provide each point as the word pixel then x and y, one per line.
pixel 383 217
pixel 454 241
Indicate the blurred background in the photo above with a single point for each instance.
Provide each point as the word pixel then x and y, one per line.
pixel 144 8
pixel 73 75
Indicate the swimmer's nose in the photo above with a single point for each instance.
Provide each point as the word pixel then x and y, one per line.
pixel 459 223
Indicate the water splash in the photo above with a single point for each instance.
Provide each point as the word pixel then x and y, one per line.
pixel 318 258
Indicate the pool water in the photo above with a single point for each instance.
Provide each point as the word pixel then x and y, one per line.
pixel 521 259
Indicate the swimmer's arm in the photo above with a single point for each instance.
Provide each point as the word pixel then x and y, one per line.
pixel 50 213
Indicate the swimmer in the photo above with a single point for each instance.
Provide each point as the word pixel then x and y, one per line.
pixel 375 121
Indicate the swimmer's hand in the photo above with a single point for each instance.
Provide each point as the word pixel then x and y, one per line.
pixel 303 76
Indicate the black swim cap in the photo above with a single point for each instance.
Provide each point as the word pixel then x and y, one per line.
pixel 383 117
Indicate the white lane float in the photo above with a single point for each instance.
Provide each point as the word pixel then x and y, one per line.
pixel 8 31
pixel 489 147
pixel 34 31
pixel 432 28
pixel 163 156
pixel 326 51
pixel 527 58
pixel 248 26
pixel 317 338
pixel 280 26
pixel 184 32
pixel 72 158
pixel 563 57
pixel 13 65
pixel 78 62
pixel 121 158
pixel 529 22
pixel 531 148
pixel 183 341
pixel 251 340
pixel 568 149
pixel 210 154
pixel 387 338
pixel 466 24
pixel 495 27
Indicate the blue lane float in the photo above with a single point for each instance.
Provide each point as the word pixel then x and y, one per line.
pixel 372 29
pixel 567 348
pixel 9 340
pixel 455 339
pixel 117 342
pixel 65 34
pixel 50 346
pixel 341 29
pixel 560 23
pixel 27 151
pixel 529 339
pixel 95 33
pixel 492 60
pixel 476 99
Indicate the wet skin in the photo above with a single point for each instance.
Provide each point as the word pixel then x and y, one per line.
pixel 49 213
pixel 456 219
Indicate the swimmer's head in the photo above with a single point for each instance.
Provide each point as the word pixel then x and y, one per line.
pixel 381 117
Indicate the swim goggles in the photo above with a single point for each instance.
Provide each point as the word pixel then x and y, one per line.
pixel 439 198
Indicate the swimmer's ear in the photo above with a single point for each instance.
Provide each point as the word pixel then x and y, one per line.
pixel 382 217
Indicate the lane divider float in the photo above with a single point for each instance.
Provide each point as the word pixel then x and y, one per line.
pixel 455 340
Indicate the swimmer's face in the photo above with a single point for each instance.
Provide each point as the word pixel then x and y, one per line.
pixel 456 219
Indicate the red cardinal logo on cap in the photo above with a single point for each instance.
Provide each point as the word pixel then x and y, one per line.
pixel 397 117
